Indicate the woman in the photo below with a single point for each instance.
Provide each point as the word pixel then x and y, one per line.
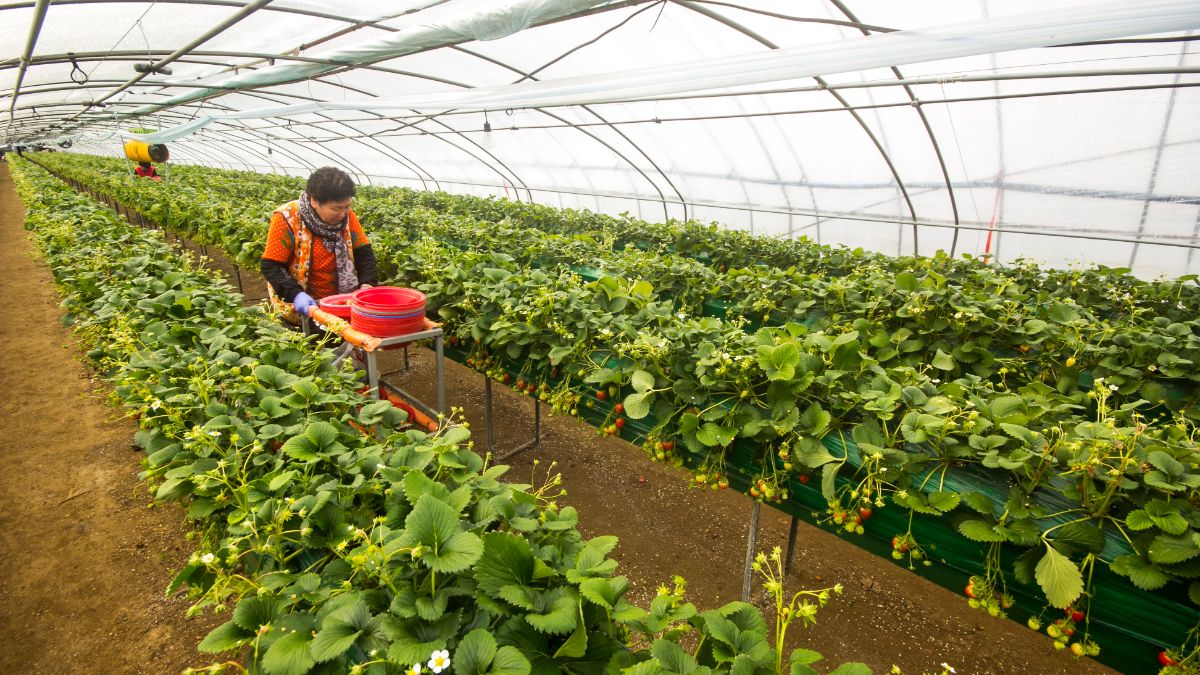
pixel 146 170
pixel 316 246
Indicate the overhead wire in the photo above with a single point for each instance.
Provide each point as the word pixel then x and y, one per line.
pixel 773 113
pixel 962 165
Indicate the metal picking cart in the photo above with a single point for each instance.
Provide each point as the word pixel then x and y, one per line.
pixel 370 346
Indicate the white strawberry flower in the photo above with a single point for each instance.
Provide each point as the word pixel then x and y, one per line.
pixel 439 661
pixel 415 670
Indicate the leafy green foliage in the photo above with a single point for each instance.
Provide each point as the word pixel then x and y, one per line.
pixel 344 544
pixel 943 364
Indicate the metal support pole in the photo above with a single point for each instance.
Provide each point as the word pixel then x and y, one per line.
pixel 441 375
pixel 237 271
pixel 787 568
pixel 406 357
pixel 373 375
pixel 537 423
pixel 751 545
pixel 487 390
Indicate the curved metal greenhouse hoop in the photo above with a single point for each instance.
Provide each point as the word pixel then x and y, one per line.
pixel 316 147
pixel 618 153
pixel 712 14
pixel 937 150
pixel 516 178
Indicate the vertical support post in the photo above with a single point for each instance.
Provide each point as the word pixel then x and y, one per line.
pixel 537 423
pixel 787 568
pixel 751 545
pixel 237 270
pixel 406 368
pixel 487 390
pixel 441 374
pixel 373 375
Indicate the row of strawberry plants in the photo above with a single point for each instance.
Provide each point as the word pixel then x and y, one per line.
pixel 992 326
pixel 1110 290
pixel 1017 323
pixel 343 542
pixel 709 407
pixel 408 226
pixel 973 330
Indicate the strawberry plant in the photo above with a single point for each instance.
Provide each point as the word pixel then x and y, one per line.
pixel 337 539
pixel 1045 415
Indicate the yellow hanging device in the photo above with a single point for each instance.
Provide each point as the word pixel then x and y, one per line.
pixel 137 151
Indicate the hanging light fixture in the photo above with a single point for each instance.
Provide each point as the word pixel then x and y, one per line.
pixel 487 140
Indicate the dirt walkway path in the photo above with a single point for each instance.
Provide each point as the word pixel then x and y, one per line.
pixel 83 562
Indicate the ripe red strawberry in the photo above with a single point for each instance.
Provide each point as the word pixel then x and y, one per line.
pixel 865 513
pixel 601 394
pixel 620 423
pixel 1165 659
pixel 620 408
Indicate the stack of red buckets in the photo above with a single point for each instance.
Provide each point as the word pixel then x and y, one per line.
pixel 382 311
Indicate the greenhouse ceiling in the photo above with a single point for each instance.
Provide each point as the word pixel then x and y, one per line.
pixel 1064 131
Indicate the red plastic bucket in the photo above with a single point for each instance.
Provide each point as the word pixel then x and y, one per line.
pixel 337 305
pixel 386 311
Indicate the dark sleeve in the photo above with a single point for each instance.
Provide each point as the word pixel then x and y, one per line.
pixel 276 274
pixel 364 262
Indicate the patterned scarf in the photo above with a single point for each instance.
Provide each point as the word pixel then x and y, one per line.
pixel 335 241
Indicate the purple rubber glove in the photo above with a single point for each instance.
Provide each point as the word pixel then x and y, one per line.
pixel 303 303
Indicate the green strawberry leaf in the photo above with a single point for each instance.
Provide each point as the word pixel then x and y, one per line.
pixel 1059 578
pixel 1143 573
pixel 289 655
pixel 642 381
pixel 1168 550
pixel 435 526
pixel 943 361
pixel 333 641
pixel 637 404
pixel 475 653
pixel 226 637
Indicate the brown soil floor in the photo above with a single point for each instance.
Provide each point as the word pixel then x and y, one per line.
pixel 92 600
pixel 84 561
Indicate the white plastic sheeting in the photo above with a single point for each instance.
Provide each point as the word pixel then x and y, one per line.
pixel 1066 131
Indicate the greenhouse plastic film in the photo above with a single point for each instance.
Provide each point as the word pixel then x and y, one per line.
pixel 931 44
pixel 474 21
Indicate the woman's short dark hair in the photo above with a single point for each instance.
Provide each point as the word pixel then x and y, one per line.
pixel 330 184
